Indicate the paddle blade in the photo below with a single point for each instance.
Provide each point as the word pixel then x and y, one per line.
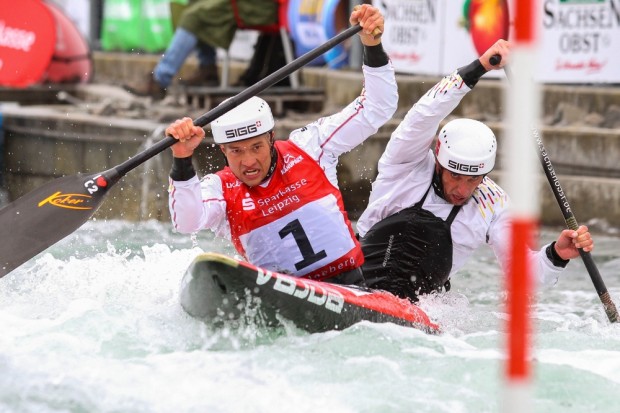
pixel 46 215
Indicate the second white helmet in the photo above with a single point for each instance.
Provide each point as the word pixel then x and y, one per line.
pixel 251 118
pixel 466 147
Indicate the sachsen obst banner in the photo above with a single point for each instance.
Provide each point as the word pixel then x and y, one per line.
pixel 414 34
pixel 579 40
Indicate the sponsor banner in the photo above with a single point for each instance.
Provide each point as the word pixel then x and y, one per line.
pixel 414 35
pixel 39 44
pixel 313 22
pixel 71 61
pixel 304 20
pixel 471 27
pixel 578 39
pixel 27 41
pixel 136 25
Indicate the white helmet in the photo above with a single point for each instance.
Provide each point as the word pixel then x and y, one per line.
pixel 466 147
pixel 251 118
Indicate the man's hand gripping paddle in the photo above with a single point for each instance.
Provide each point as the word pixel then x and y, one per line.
pixel 48 214
pixel 569 218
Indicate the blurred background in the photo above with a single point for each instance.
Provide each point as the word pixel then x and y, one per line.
pixel 63 109
pixel 93 324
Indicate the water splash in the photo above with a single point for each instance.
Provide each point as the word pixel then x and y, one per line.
pixel 95 324
pixel 149 171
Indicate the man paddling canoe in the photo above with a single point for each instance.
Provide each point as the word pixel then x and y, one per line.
pixel 278 201
pixel 430 210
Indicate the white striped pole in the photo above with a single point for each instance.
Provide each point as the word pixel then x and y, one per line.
pixel 522 102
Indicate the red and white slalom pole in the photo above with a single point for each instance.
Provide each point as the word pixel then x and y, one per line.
pixel 522 102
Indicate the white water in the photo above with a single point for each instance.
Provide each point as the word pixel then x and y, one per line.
pixel 94 324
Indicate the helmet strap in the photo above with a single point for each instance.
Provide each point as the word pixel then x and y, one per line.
pixel 274 155
pixel 437 182
pixel 224 155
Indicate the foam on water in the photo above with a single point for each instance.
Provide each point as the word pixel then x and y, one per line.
pixel 94 324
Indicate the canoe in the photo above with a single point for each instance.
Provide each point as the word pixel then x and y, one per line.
pixel 217 288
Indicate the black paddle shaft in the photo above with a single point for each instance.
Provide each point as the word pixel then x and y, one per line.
pixel 47 214
pixel 569 218
pixel 241 97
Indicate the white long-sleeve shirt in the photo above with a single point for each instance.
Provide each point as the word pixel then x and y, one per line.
pixel 405 173
pixel 199 204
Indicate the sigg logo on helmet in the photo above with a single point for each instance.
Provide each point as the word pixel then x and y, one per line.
pixel 464 167
pixel 242 131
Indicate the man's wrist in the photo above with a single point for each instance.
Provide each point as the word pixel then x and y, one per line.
pixel 182 169
pixel 554 257
pixel 472 73
pixel 375 56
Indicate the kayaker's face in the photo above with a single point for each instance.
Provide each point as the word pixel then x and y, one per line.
pixel 457 188
pixel 249 159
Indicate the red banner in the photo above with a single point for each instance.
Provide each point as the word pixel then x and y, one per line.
pixel 27 40
pixel 39 44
